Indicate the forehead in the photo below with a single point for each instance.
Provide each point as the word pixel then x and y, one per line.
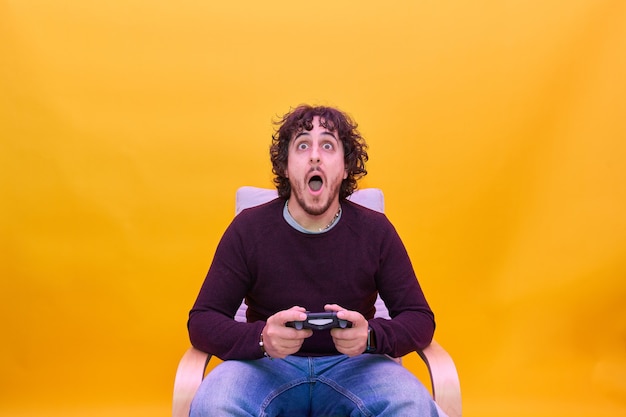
pixel 317 125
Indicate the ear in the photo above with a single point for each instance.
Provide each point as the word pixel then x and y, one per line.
pixel 283 170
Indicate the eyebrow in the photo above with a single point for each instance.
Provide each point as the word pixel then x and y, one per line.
pixel 306 132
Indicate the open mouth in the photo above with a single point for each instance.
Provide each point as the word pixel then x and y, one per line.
pixel 315 183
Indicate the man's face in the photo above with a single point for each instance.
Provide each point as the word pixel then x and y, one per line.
pixel 316 169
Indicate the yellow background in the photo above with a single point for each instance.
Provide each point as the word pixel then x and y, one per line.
pixel 497 131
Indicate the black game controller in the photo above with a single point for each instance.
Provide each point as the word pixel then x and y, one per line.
pixel 320 321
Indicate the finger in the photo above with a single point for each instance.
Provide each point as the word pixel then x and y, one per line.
pixel 282 317
pixel 298 334
pixel 354 317
pixel 350 349
pixel 294 313
pixel 333 307
pixel 348 335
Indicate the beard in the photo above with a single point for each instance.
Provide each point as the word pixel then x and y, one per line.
pixel 318 205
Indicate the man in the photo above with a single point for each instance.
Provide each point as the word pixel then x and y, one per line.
pixel 311 250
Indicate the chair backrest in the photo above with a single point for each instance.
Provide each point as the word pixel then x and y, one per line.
pixel 247 197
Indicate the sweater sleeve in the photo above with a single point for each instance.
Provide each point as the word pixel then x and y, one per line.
pixel 211 323
pixel 412 323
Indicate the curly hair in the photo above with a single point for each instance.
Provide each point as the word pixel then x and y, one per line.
pixel 301 118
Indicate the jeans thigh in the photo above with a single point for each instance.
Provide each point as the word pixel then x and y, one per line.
pixel 370 385
pixel 261 387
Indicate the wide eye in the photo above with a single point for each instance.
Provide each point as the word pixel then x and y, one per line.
pixel 328 146
pixel 303 146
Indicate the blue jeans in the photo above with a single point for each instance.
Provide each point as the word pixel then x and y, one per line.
pixel 364 385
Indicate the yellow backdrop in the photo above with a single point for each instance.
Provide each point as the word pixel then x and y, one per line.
pixel 497 131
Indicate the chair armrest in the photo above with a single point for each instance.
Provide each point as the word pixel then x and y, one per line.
pixel 189 375
pixel 443 375
pixel 444 378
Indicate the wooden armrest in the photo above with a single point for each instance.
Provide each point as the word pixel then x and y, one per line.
pixel 189 375
pixel 444 378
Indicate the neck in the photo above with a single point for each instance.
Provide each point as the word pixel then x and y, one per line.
pixel 312 222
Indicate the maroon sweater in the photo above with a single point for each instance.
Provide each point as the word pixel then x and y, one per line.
pixel 274 267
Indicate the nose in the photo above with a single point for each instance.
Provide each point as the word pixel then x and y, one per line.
pixel 315 156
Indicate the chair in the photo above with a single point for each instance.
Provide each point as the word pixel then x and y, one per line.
pixel 443 375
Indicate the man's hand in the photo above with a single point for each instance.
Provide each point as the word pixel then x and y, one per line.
pixel 351 341
pixel 279 340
